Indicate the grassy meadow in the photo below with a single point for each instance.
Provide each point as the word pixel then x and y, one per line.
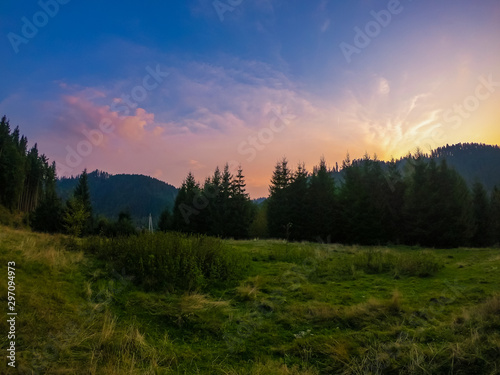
pixel 173 304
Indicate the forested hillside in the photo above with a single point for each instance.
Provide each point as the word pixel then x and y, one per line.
pixel 474 162
pixel 111 194
pixel 27 180
pixel 417 200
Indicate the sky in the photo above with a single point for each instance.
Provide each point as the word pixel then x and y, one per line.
pixel 162 88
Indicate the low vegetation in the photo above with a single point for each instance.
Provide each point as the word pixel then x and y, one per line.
pixel 169 261
pixel 85 307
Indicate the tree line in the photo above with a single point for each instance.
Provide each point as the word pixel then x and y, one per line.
pixel 417 200
pixel 424 203
pixel 28 185
pixel 26 178
pixel 219 207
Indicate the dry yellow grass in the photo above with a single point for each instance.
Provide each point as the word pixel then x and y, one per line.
pixel 40 247
pixel 192 303
pixel 250 289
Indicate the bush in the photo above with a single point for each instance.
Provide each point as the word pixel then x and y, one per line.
pixel 13 219
pixel 421 264
pixel 171 261
pixel 375 261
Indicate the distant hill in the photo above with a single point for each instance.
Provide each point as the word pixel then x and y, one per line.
pixel 475 162
pixel 259 201
pixel 139 194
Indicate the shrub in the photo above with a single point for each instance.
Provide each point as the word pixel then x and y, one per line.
pixel 374 261
pixel 421 264
pixel 169 260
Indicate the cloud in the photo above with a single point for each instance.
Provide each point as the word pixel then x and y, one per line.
pixel 206 113
pixel 209 112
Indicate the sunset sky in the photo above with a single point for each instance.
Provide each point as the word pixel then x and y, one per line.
pixel 165 87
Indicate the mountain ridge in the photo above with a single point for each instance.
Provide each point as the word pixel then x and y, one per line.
pixel 138 194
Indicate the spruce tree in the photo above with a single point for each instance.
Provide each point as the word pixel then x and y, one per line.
pixel 186 207
pixel 495 216
pixel 482 217
pixel 166 221
pixel 417 204
pixel 241 207
pixel 322 221
pixel 278 209
pixel 75 217
pixel 47 217
pixel 393 203
pixel 299 205
pixel 82 194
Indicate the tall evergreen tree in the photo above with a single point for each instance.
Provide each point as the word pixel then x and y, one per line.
pixel 322 205
pixel 278 209
pixel 242 208
pixel 495 216
pixel 75 217
pixel 393 203
pixel 482 216
pixel 417 206
pixel 185 214
pixel 166 221
pixel 82 195
pixel 299 205
pixel 12 167
pixel 124 226
pixel 439 206
pixel 212 190
pixel 47 217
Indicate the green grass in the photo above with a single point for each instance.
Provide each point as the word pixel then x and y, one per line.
pixel 290 309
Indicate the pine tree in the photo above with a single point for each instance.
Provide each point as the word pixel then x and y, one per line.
pixel 322 221
pixel 453 209
pixel 185 214
pixel 47 217
pixel 75 217
pixel 82 194
pixel 393 203
pixel 495 216
pixel 166 221
pixel 438 206
pixel 278 209
pixel 417 205
pixel 214 216
pixel 482 216
pixel 12 164
pixel 241 207
pixel 299 205
pixel 124 227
